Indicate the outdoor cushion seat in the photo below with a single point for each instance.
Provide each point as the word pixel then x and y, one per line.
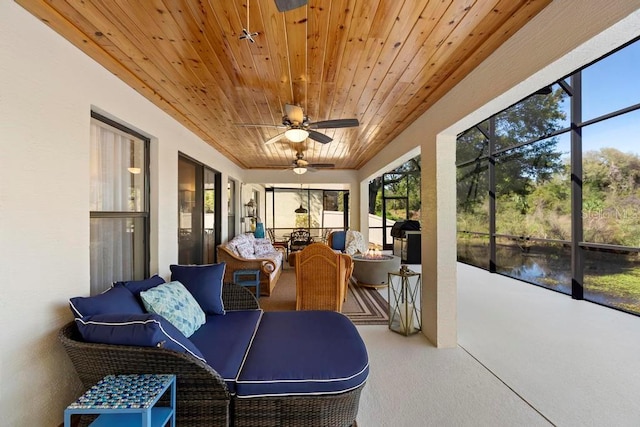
pixel 223 341
pixel 303 353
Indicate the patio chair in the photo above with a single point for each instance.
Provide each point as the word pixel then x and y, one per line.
pixel 321 278
pixel 278 244
pixel 325 235
pixel 337 240
pixel 299 239
pixel 349 242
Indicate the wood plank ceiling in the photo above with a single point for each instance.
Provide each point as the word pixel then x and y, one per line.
pixel 384 62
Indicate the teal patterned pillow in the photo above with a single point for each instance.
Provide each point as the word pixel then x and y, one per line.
pixel 174 302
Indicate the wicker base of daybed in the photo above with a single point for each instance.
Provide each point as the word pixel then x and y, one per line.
pixel 338 410
pixel 203 398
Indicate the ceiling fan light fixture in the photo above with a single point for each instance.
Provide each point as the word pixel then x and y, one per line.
pixel 299 170
pixel 296 135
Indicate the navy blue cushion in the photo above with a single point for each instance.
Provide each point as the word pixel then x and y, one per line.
pixel 114 300
pixel 204 282
pixel 144 330
pixel 137 286
pixel 224 340
pixel 303 352
pixel 338 240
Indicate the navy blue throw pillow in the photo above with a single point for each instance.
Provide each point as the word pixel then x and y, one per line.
pixel 137 286
pixel 144 330
pixel 204 282
pixel 114 300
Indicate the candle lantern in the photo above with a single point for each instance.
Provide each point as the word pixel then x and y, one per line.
pixel 404 292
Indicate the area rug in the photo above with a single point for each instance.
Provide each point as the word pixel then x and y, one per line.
pixel 364 306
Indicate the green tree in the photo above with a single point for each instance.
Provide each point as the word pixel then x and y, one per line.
pixel 398 180
pixel 517 170
pixel 611 197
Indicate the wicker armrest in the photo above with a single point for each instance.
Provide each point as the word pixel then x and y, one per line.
pixel 234 262
pixel 268 266
pixel 236 297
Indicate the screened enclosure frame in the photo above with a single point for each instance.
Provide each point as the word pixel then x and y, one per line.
pixel 490 154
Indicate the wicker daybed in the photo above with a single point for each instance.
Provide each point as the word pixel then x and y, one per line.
pixel 203 395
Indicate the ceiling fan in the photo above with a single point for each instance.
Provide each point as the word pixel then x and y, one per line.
pixel 298 127
pixel 286 5
pixel 300 165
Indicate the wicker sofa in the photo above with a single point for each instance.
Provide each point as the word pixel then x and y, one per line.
pixel 261 393
pixel 245 252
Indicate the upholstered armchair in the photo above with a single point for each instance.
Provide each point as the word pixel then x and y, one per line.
pixel 322 277
pixel 349 242
pixel 337 240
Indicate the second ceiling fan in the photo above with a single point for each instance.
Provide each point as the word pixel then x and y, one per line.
pixel 298 127
pixel 301 166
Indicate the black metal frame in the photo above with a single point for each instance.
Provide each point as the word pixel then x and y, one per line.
pixel 389 245
pixel 272 190
pixel 217 227
pixel 574 89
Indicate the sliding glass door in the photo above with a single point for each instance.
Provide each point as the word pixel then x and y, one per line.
pixel 198 212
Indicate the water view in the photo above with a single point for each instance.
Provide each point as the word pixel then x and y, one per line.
pixel 611 279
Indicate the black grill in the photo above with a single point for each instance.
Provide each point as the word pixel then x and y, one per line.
pixel 399 228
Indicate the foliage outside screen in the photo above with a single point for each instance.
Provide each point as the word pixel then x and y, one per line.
pixel 533 198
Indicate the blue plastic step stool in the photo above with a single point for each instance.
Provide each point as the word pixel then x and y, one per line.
pixel 248 278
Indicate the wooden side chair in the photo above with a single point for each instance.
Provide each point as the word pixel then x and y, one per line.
pixel 321 278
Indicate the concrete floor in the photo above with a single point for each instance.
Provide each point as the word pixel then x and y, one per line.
pixel 527 356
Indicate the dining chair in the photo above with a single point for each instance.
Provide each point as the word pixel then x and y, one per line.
pixel 279 244
pixel 325 235
pixel 299 239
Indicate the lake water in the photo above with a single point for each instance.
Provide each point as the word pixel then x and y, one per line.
pixel 549 266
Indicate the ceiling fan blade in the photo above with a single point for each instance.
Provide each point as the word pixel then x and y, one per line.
pixel 322 165
pixel 259 125
pixel 320 137
pixel 285 5
pixel 336 123
pixel 294 113
pixel 274 139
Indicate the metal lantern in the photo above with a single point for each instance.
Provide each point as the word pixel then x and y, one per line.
pixel 251 208
pixel 404 301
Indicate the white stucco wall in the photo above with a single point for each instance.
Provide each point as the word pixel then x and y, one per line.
pixel 47 89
